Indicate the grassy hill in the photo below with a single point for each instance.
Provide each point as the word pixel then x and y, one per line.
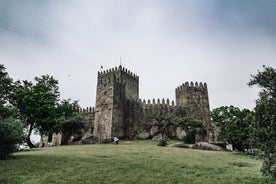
pixel 129 162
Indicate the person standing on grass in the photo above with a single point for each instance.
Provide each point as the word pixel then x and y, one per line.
pixel 116 140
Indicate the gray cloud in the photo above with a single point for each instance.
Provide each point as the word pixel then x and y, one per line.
pixel 165 42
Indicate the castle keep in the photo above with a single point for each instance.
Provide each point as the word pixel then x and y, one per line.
pixel 116 88
pixel 119 111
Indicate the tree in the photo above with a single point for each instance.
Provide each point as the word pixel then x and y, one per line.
pixel 234 125
pixel 69 120
pixel 264 128
pixel 6 110
pixel 36 103
pixel 11 134
pixel 11 130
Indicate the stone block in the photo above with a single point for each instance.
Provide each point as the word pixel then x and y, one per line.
pixel 144 135
pixel 157 137
pixel 154 130
pixel 180 133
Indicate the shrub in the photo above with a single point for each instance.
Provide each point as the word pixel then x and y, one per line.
pixel 192 127
pixel 190 138
pixel 162 142
pixel 269 166
pixel 11 134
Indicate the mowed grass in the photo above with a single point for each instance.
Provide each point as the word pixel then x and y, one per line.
pixel 129 162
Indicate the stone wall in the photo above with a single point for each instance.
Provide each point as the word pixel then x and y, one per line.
pixel 104 106
pixel 88 116
pixel 138 116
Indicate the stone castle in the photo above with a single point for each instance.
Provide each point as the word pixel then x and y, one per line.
pixel 119 111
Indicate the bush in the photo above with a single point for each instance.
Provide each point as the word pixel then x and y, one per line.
pixel 162 142
pixel 11 134
pixel 269 166
pixel 192 127
pixel 190 138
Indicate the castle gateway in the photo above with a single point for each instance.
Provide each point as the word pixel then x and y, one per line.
pixel 120 113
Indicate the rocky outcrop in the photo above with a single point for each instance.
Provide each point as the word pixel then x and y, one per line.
pixel 143 135
pixel 207 146
pixel 154 131
pixel 157 137
pixel 180 133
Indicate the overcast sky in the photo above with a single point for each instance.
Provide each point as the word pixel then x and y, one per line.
pixel 165 42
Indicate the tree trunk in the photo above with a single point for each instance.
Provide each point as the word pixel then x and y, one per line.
pixel 29 142
pixel 28 138
pixel 64 138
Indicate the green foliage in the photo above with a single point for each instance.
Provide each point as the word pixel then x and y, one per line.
pixel 264 128
pixel 163 122
pixel 6 110
pixel 269 166
pixel 11 130
pixel 191 126
pixel 162 142
pixel 266 80
pixel 36 103
pixel 11 134
pixel 69 120
pixel 190 138
pixel 234 124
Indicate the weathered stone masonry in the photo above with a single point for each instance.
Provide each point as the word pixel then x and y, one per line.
pixel 119 112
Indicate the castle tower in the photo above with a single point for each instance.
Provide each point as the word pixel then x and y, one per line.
pixel 114 87
pixel 194 97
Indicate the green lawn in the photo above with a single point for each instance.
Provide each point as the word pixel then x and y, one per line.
pixel 129 162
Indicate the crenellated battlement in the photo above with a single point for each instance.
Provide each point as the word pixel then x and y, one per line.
pixel 126 71
pixel 153 102
pixel 187 85
pixel 115 70
pixel 87 110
